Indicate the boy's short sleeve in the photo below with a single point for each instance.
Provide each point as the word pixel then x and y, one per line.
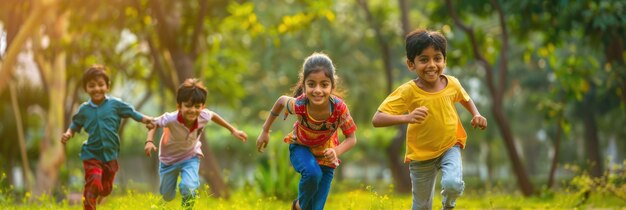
pixel 206 114
pixel 165 119
pixel 78 120
pixel 461 94
pixel 127 110
pixel 395 103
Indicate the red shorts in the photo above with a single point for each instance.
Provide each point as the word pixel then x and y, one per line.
pixel 99 178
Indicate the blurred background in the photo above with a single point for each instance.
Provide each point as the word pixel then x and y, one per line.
pixel 548 75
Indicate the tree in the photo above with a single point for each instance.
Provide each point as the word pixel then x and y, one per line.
pixel 597 27
pixel 399 170
pixel 176 48
pixel 51 149
pixel 497 87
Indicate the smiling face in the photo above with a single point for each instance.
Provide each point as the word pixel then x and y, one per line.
pixel 428 65
pixel 190 111
pixel 97 89
pixel 318 87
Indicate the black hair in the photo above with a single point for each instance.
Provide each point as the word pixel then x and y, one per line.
pixel 420 39
pixel 314 63
pixel 191 90
pixel 93 73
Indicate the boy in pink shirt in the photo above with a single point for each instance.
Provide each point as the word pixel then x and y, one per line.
pixel 180 151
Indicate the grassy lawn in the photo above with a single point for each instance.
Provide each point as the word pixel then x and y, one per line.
pixel 355 199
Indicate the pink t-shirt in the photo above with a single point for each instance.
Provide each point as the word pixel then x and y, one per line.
pixel 178 143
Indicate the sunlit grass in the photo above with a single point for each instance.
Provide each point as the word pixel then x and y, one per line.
pixel 366 198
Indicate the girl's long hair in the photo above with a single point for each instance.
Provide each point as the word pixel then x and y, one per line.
pixel 314 63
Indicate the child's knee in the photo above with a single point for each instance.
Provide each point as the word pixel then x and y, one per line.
pixel 312 177
pixel 455 186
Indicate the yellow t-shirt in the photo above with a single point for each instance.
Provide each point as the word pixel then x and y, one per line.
pixel 441 130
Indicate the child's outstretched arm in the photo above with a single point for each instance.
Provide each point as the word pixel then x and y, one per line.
pixel 67 135
pixel 264 136
pixel 150 143
pixel 477 119
pixel 418 115
pixel 235 132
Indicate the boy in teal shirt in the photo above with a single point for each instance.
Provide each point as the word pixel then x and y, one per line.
pixel 100 117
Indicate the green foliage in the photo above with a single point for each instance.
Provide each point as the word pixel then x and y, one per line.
pixel 274 175
pixel 6 191
pixel 612 183
pixel 370 144
pixel 250 52
pixel 366 197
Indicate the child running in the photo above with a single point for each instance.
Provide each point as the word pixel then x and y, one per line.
pixel 435 135
pixel 179 148
pixel 100 117
pixel 314 148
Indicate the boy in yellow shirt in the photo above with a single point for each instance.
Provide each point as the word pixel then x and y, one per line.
pixel 435 135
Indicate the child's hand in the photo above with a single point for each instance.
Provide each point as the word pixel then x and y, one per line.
pixel 151 125
pixel 66 136
pixel 479 121
pixel 418 115
pixel 262 140
pixel 149 148
pixel 240 135
pixel 331 155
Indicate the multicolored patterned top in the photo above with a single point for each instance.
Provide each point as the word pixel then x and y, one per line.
pixel 319 135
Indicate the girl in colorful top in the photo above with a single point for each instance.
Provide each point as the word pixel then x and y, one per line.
pixel 100 117
pixel 435 135
pixel 314 148
pixel 179 148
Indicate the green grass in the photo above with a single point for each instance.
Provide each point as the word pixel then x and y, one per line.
pixel 367 198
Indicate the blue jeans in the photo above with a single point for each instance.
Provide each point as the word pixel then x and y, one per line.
pixel 315 181
pixel 189 182
pixel 424 174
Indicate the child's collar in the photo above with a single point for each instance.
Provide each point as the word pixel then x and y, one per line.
pixel 181 120
pixel 106 98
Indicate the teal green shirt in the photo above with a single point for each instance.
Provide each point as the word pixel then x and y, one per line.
pixel 102 123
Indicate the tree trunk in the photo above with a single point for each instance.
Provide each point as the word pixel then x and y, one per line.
pixel 382 43
pixel 20 138
pixel 399 170
pixel 592 146
pixel 30 27
pixel 496 87
pixel 169 28
pixel 52 153
pixel 555 157
pixel 518 167
pixel 210 170
pixel 404 16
